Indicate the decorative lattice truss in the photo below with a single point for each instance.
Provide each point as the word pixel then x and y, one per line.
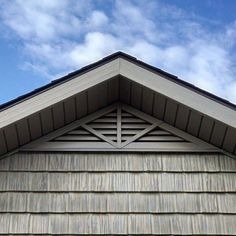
pixel 119 127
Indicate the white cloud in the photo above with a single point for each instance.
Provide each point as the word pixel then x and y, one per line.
pixel 95 46
pixel 98 19
pixel 59 36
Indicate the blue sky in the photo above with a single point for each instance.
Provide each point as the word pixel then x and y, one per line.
pixel 41 40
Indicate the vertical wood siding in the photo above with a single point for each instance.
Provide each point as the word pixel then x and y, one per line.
pixel 137 194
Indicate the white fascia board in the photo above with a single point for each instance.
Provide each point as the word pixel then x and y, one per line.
pixel 178 93
pixel 59 93
pixel 129 70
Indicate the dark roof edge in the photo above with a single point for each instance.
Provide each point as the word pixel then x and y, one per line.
pixel 109 58
pixel 181 82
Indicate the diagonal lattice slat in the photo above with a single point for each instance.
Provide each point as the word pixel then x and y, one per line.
pixel 119 127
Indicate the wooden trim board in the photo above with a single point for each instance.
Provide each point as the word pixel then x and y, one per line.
pixel 127 69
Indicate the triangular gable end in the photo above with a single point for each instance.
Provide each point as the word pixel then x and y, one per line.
pixel 119 127
pixel 118 77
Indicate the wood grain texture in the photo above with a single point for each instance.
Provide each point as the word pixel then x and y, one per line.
pixel 24 161
pixel 74 162
pixel 121 182
pixel 119 193
pixel 35 202
pixel 38 224
pixel 4 163
pixel 157 224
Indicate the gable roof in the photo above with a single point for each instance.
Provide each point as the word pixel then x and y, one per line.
pixel 119 65
pixel 105 60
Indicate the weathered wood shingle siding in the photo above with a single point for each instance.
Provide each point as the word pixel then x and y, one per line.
pixel 161 194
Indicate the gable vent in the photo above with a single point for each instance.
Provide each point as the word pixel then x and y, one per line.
pixel 77 135
pixel 131 125
pixel 159 135
pixel 119 127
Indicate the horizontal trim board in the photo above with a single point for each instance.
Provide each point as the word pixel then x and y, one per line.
pixel 77 138
pixel 110 149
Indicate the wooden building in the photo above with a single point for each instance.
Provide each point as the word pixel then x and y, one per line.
pixel 118 148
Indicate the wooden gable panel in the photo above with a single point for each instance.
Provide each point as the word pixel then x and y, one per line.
pixel 82 104
pixel 229 142
pixel 170 112
pixel 46 120
pixel 194 123
pixel 125 90
pixel 3 146
pixel 23 132
pixel 11 137
pixel 206 128
pixel 97 97
pixel 113 90
pixel 159 106
pixel 147 100
pixel 218 134
pixel 35 126
pixel 70 110
pixel 136 95
pixel 58 115
pixel 182 117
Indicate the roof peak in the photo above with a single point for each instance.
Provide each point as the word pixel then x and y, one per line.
pixel 106 59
